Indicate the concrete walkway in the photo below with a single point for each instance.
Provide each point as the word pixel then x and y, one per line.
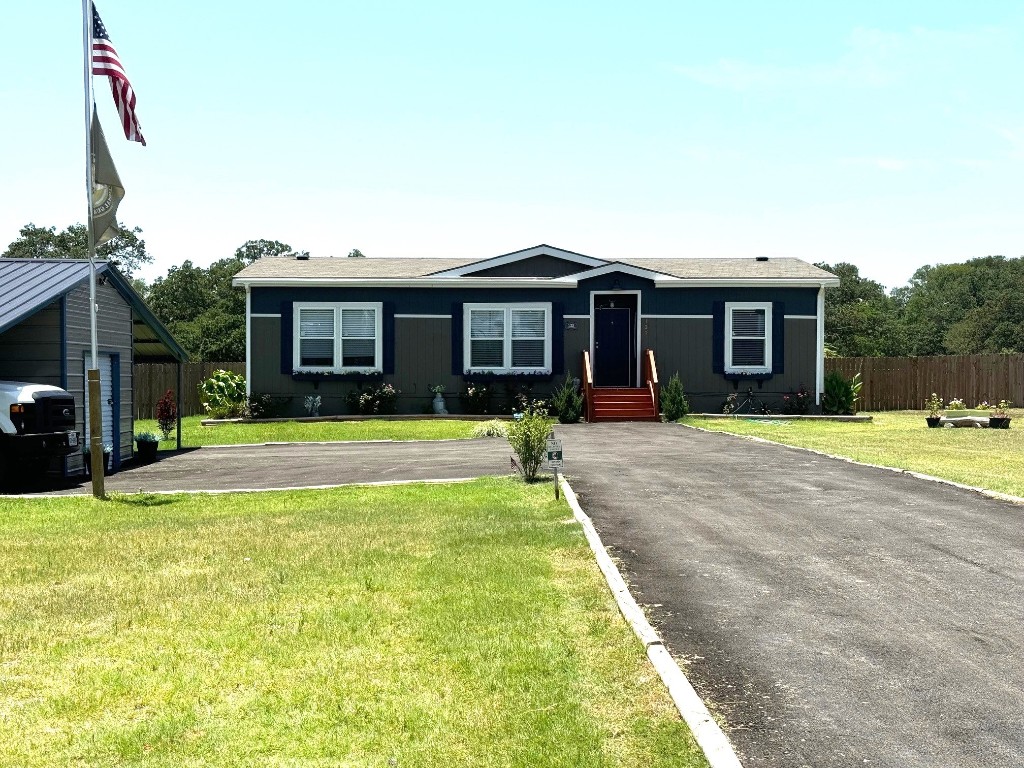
pixel 834 615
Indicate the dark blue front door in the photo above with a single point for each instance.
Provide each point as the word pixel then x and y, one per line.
pixel 612 358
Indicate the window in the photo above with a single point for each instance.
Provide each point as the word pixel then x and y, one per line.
pixel 748 337
pixel 337 337
pixel 507 337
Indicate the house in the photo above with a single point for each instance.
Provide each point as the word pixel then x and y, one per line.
pixel 328 325
pixel 45 339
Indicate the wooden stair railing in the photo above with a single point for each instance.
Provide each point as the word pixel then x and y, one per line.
pixel 651 377
pixel 588 385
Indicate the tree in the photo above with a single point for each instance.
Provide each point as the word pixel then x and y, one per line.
pixel 355 253
pixel 860 318
pixel 969 308
pixel 201 307
pixel 251 250
pixel 126 250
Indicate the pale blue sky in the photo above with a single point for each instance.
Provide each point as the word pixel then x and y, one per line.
pixel 886 134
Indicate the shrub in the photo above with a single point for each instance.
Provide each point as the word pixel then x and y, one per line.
pixel 477 399
pixel 493 428
pixel 528 437
pixel 673 399
pixel 223 394
pixel 264 406
pixel 167 414
pixel 841 394
pixel 567 402
pixel 146 437
pixel 373 401
pixel 797 403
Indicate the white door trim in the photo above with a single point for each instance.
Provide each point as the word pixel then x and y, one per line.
pixel 593 319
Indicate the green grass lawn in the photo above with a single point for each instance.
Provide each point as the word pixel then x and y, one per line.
pixel 440 625
pixel 194 434
pixel 987 458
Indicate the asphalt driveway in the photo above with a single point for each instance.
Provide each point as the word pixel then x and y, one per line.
pixel 301 465
pixel 833 614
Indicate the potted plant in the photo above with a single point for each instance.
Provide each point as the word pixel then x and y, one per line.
pixel 312 405
pixel 108 452
pixel 438 403
pixel 146 444
pixel 934 406
pixel 1000 417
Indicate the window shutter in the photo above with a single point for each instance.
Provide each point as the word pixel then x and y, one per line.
pixel 457 368
pixel 388 342
pixel 778 337
pixel 287 360
pixel 718 337
pixel 557 337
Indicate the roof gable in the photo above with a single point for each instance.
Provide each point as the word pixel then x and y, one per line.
pixel 526 255
pixel 29 285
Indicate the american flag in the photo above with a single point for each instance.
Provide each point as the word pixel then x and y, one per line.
pixel 105 62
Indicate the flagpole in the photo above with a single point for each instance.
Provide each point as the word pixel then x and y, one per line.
pixel 87 47
pixel 95 436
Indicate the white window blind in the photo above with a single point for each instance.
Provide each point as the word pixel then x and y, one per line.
pixel 528 338
pixel 487 338
pixel 316 338
pixel 358 337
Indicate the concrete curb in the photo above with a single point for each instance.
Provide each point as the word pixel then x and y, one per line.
pixel 717 749
pixel 919 475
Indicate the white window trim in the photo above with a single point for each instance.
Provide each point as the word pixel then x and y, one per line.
pixel 507 348
pixel 378 357
pixel 767 307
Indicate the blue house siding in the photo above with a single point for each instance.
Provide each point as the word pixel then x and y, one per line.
pixel 683 326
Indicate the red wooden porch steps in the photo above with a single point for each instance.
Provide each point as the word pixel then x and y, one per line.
pixel 623 404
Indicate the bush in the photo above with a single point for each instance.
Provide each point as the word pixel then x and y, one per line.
pixel 796 403
pixel 528 437
pixel 493 428
pixel 223 394
pixel 264 406
pixel 567 402
pixel 841 394
pixel 167 414
pixel 373 401
pixel 477 399
pixel 673 399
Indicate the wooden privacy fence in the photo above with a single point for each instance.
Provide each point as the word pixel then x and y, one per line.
pixel 153 379
pixel 904 383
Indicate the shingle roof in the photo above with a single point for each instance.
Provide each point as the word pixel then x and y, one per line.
pixel 28 285
pixel 411 268
pixel 275 266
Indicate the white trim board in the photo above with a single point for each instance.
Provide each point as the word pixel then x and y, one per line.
pixel 801 317
pixel 423 317
pixel 677 317
pixel 264 314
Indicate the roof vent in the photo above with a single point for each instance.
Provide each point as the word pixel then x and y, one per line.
pixel 760 258
pixel 302 256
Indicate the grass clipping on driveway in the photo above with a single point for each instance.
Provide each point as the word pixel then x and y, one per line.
pixel 419 625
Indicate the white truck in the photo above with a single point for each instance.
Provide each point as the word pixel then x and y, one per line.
pixel 37 424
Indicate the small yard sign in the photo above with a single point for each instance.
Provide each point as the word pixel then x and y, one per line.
pixel 554 454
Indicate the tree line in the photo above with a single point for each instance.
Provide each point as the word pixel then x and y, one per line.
pixel 972 307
